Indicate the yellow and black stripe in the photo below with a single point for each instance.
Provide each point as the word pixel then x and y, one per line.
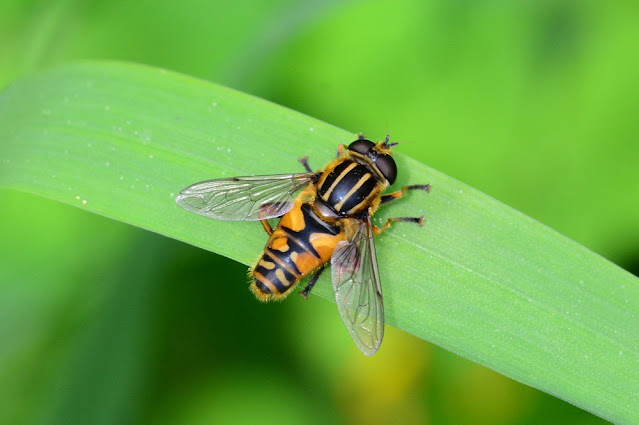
pixel 300 243
pixel 348 188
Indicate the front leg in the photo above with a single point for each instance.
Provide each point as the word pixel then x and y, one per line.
pixel 304 161
pixel 396 195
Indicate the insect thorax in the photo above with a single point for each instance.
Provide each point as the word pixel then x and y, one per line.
pixel 346 189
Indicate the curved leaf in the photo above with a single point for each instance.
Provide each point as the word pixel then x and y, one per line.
pixel 479 279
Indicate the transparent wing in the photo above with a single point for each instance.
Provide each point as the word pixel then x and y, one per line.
pixel 358 291
pixel 244 198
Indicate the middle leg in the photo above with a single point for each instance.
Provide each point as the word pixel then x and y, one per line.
pixel 267 227
pixel 417 220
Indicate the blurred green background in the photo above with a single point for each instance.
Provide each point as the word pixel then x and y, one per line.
pixel 534 103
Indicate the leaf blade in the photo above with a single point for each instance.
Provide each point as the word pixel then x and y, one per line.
pixel 485 281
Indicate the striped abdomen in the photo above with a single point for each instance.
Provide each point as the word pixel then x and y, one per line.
pixel 300 243
pixel 348 188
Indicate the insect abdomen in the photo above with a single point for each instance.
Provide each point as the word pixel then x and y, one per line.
pixel 348 188
pixel 300 243
pixel 271 278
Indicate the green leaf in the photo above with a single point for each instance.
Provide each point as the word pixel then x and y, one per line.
pixel 479 279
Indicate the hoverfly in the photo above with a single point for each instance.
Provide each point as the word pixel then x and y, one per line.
pixel 329 220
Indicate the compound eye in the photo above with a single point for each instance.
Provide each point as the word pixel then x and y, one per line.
pixel 361 146
pixel 387 166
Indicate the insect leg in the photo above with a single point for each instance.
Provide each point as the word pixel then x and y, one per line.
pixel 267 227
pixel 379 230
pixel 304 161
pixel 310 285
pixel 396 195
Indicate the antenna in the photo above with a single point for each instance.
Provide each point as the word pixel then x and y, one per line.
pixel 387 139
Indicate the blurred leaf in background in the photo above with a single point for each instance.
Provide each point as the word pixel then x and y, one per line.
pixel 534 104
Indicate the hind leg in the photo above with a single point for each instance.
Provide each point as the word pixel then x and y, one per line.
pixel 310 285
